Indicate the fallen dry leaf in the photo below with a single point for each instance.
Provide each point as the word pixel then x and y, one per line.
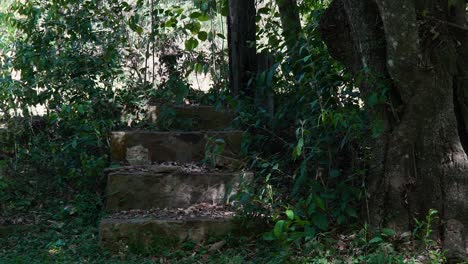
pixel 217 246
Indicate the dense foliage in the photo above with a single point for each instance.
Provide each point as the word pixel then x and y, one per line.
pixel 93 66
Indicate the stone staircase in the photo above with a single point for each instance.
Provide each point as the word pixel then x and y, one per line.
pixel 161 193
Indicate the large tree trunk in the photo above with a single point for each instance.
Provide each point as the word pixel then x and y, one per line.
pixel 242 50
pixel 418 51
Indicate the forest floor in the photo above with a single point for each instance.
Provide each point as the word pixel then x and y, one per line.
pixel 51 241
pixel 54 242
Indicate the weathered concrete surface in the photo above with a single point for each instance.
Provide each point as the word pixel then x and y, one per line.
pixel 144 147
pixel 192 117
pixel 116 234
pixel 151 187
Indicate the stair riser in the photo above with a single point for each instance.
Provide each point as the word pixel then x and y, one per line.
pixel 190 117
pixel 116 235
pixel 140 148
pixel 170 190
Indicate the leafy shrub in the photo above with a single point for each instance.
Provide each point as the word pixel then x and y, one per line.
pixel 308 155
pixel 66 58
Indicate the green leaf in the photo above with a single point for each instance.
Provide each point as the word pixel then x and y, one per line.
pixel 278 228
pixel 269 236
pixel 309 231
pixel 263 10
pixel 319 202
pixel 306 58
pixel 198 67
pixel 193 27
pixel 298 149
pixel 191 44
pixel 290 214
pixel 179 10
pixel 320 220
pixel 195 15
pixel 372 100
pixel 202 35
pixel 376 240
pixel 139 30
pixel 388 232
pixel 204 17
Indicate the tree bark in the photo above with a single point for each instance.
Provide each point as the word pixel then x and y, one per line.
pixel 419 163
pixel 291 22
pixel 242 50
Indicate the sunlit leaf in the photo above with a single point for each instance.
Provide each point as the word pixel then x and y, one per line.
pixel 191 44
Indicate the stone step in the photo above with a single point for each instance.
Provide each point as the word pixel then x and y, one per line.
pixel 158 228
pixel 146 147
pixel 191 117
pixel 153 186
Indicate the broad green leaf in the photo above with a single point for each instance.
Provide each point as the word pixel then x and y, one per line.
pixel 298 149
pixel 320 220
pixel 290 214
pixel 278 228
pixel 191 44
pixel 376 240
pixel 306 58
pixel 388 232
pixel 139 30
pixel 263 10
pixel 204 17
pixel 319 202
pixel 193 27
pixel 202 35
pixel 195 15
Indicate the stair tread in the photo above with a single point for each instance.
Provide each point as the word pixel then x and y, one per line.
pixel 197 212
pixel 168 167
pixel 146 131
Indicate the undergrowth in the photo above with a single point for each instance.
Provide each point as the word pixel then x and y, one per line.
pixel 72 244
pixel 308 145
